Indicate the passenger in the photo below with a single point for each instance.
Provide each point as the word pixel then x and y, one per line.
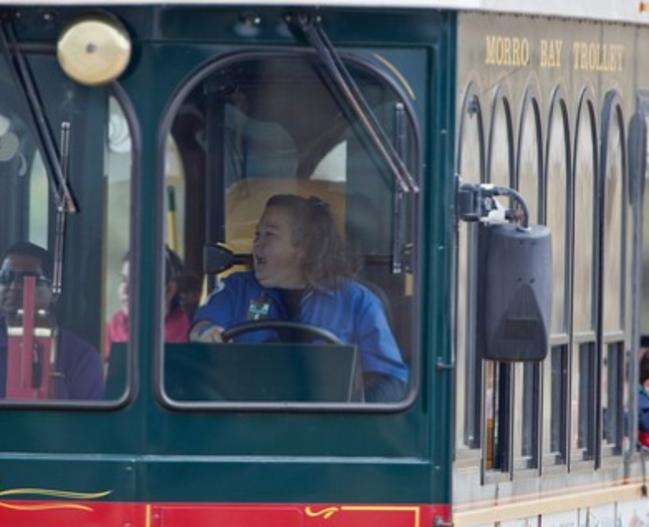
pixel 78 366
pixel 301 274
pixel 643 401
pixel 177 324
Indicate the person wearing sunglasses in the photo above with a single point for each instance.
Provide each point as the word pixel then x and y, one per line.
pixel 79 373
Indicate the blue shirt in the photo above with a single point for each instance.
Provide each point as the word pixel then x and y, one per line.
pixel 643 409
pixel 78 362
pixel 352 312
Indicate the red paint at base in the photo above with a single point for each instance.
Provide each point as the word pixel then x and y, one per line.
pixel 92 513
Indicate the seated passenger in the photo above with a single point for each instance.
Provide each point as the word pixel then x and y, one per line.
pixel 78 366
pixel 643 401
pixel 177 323
pixel 301 274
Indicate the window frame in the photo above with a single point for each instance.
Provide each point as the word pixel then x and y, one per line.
pixel 472 409
pixel 560 342
pixel 529 372
pixel 503 372
pixel 584 339
pixel 637 146
pixel 131 388
pixel 184 87
pixel 616 341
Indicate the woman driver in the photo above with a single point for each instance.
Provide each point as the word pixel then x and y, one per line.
pixel 301 274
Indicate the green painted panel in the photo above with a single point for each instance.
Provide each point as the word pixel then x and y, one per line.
pixel 397 457
pixel 269 480
pixel 99 477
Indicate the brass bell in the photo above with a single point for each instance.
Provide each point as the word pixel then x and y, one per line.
pixel 94 50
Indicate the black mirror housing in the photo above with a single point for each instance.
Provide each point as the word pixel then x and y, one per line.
pixel 217 258
pixel 514 292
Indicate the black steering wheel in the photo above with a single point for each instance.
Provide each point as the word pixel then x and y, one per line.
pixel 256 325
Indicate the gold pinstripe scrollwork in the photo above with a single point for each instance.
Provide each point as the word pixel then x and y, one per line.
pixel 55 493
pixel 45 507
pixel 328 512
pixel 50 493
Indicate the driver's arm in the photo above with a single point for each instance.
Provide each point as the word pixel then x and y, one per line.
pixel 204 331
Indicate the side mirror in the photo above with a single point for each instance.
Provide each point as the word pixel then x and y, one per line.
pixel 217 258
pixel 514 292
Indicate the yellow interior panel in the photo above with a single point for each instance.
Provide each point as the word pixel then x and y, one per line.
pixel 245 201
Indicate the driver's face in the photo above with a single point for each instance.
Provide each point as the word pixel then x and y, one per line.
pixel 14 268
pixel 277 261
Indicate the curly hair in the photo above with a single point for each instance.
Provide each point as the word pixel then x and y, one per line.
pixel 315 232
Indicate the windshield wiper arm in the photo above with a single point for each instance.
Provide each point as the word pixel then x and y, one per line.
pixel 342 81
pixel 20 72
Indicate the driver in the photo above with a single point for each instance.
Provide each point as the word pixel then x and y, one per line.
pixel 301 274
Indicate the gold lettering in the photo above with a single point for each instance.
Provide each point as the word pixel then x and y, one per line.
pixel 507 59
pixel 490 49
pixel 612 58
pixel 602 59
pixel 619 51
pixel 525 52
pixel 583 62
pixel 557 52
pixel 593 52
pixel 506 51
pixel 499 50
pixel 593 56
pixel 516 52
pixel 551 53
pixel 544 53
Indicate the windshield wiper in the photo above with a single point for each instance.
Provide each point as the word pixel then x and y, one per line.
pixel 19 70
pixel 341 82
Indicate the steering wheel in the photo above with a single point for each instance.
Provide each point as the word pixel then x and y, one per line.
pixel 256 325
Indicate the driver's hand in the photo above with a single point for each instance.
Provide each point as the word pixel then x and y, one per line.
pixel 206 332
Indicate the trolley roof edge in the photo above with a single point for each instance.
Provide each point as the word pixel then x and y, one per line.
pixel 629 11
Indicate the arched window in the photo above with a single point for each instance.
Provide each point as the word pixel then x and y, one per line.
pixel 83 252
pixel 556 216
pixel 583 349
pixel 253 125
pixel 614 212
pixel 497 399
pixel 470 165
pixel 529 176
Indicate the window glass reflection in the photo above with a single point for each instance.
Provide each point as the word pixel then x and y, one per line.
pixel 316 300
pixel 58 272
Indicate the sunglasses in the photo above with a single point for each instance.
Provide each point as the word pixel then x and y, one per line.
pixel 8 277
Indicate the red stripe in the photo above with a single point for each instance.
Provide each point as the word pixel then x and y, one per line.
pixel 23 513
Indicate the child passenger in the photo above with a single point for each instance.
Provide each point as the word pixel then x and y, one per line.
pixel 301 274
pixel 177 324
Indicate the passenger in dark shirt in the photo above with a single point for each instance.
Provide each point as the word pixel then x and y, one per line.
pixel 79 373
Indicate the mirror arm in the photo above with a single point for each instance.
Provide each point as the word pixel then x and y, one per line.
pixel 476 202
pixel 341 82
